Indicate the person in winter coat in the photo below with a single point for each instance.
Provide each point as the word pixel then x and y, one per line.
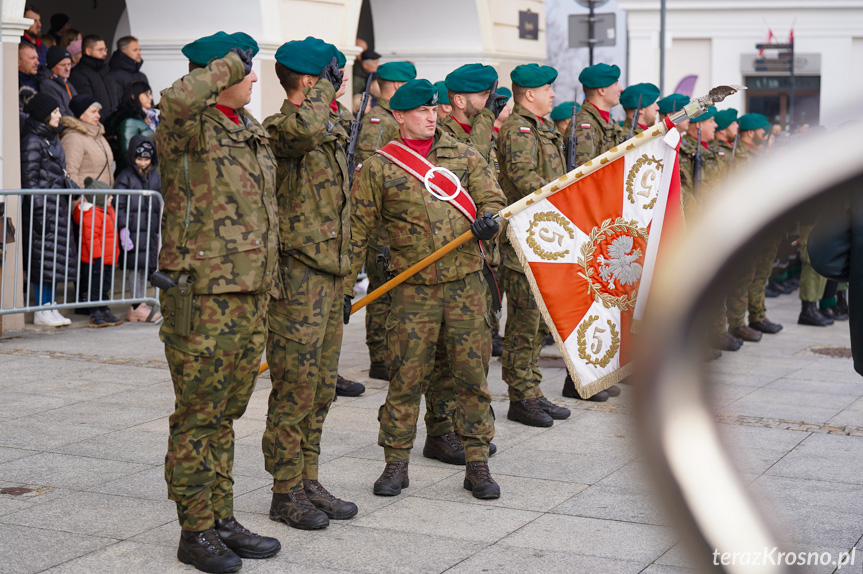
pixel 87 151
pixel 97 221
pixel 126 64
pixel 90 76
pixel 53 78
pixel 53 258
pixel 138 221
pixel 131 119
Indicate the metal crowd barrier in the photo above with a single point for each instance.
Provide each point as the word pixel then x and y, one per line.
pixel 20 229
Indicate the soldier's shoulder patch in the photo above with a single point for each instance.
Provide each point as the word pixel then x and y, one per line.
pixel 721 154
pixel 375 120
pixel 359 167
pixel 524 129
pixel 585 126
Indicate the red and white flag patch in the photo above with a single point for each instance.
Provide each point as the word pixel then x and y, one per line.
pixel 375 120
pixel 585 126
pixel 524 130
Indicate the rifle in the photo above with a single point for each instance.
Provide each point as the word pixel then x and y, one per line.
pixel 696 172
pixel 572 143
pixel 635 117
pixel 355 129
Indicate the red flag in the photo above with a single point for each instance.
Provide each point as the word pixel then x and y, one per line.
pixel 769 41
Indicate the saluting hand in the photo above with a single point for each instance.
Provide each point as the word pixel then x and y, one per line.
pixel 332 74
pixel 246 56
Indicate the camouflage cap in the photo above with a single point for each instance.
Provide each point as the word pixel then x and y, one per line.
pixel 309 56
pixel 599 76
pixel 471 78
pixel 645 93
pixel 753 122
pixel 414 94
pixel 672 103
pixel 725 118
pixel 442 96
pixel 563 111
pixel 503 91
pixel 397 72
pixel 202 50
pixel 533 75
pixel 710 113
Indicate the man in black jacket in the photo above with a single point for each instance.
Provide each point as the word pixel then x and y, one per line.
pixel 90 76
pixel 54 78
pixel 126 64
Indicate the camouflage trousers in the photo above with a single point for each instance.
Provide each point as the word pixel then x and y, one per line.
pixel 214 371
pixel 303 347
pixel 748 292
pixel 811 283
pixel 523 338
pixel 418 315
pixel 376 311
pixel 441 395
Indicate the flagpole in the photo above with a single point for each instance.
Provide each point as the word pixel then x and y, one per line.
pixel 693 109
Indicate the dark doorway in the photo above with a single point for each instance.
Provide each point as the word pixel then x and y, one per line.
pixel 98 17
pixel 770 96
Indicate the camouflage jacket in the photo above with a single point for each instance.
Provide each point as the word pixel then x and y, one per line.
pixel 595 137
pixel 723 149
pixel 314 202
pixel 218 179
pixel 530 154
pixel 713 173
pixel 625 127
pixel 379 127
pixel 415 222
pixel 346 118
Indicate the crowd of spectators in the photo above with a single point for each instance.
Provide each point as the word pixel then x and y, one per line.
pixel 86 121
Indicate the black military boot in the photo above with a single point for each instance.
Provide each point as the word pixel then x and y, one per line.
pixel 570 392
pixel 748 334
pixel 346 388
pixel 528 412
pixel 496 344
pixel 378 370
pixel 245 544
pixel 809 315
pixel 478 480
pixel 766 326
pixel 614 390
pixel 446 448
pixel 393 479
pixel 841 308
pixel 334 508
pixel 554 411
pixel 205 551
pixel 295 510
pixel 724 341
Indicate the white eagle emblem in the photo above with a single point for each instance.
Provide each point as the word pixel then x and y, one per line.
pixel 621 264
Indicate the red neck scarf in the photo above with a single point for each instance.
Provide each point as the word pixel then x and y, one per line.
pixel 334 105
pixel 465 127
pixel 707 147
pixel 422 147
pixel 604 115
pixel 496 130
pixel 642 126
pixel 232 114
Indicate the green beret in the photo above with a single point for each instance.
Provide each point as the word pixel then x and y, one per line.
pixel 442 96
pixel 563 111
pixel 672 103
pixel 471 79
pixel 342 60
pixel 753 122
pixel 645 93
pixel 725 118
pixel 397 72
pixel 533 75
pixel 599 76
pixel 309 56
pixel 711 112
pixel 414 94
pixel 504 92
pixel 202 50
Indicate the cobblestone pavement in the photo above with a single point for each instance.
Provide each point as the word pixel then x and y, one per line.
pixel 83 428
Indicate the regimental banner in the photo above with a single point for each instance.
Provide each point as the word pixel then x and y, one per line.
pixel 588 251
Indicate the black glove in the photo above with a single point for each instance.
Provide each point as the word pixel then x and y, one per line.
pixel 332 74
pixel 246 56
pixel 495 102
pixel 347 308
pixel 485 227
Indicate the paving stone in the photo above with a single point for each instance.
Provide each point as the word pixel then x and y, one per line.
pixel 123 445
pixel 625 504
pixel 499 558
pixel 28 550
pixel 126 556
pixel 786 404
pixel 822 456
pixel 62 470
pixel 755 449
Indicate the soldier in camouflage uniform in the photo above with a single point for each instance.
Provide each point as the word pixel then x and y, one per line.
pixel 671 104
pixel 726 133
pixel 748 292
pixel 305 331
pixel 444 108
pixel 561 115
pixel 597 132
pixel 530 155
pixel 641 97
pixel 449 296
pixel 214 154
pixel 471 122
pixel 378 128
